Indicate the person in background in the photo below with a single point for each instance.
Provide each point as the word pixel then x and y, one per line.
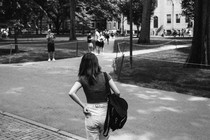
pixel 97 43
pixel 50 45
pixel 90 44
pixel 101 45
pixel 106 34
pixel 93 82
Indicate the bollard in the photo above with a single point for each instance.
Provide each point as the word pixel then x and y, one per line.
pixel 121 65
pixel 10 53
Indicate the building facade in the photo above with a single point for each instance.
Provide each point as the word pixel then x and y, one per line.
pixel 167 17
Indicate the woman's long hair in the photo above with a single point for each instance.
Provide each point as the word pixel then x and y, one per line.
pixel 89 67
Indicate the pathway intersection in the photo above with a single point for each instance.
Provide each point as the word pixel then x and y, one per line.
pixel 37 93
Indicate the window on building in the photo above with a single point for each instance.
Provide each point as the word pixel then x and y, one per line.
pixel 177 18
pixel 168 18
pixel 155 22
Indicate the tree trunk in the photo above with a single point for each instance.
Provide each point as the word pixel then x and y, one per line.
pixel 37 26
pixel 72 35
pixel 57 26
pixel 41 18
pixel 200 50
pixel 145 30
pixel 138 30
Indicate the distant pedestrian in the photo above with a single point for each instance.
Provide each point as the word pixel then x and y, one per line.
pixel 182 32
pixel 90 44
pixel 97 35
pixel 112 34
pixel 174 33
pixel 93 82
pixel 179 33
pixel 100 43
pixel 50 45
pixel 190 32
pixel 106 34
pixel 164 33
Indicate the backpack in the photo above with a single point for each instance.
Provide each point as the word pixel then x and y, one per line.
pixel 117 111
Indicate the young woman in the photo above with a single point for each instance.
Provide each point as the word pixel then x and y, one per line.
pixel 92 80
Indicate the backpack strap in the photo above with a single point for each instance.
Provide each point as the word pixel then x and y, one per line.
pixel 107 120
pixel 107 83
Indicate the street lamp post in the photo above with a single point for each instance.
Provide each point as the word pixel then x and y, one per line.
pixel 1 3
pixel 172 16
pixel 131 34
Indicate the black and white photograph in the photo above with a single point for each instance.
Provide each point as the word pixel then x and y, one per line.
pixel 105 69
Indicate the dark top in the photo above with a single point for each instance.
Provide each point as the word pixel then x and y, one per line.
pixel 96 93
pixel 89 40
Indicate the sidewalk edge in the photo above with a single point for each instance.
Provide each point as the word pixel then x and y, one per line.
pixel 55 130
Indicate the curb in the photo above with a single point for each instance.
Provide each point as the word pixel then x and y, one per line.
pixel 55 130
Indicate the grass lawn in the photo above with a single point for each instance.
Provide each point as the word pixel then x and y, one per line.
pixel 165 70
pixel 37 51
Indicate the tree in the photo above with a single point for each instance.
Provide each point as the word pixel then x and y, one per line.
pixel 56 10
pixel 72 35
pixel 200 50
pixel 145 29
pixel 188 8
pixel 13 13
pixel 137 10
pixel 106 9
pixel 148 9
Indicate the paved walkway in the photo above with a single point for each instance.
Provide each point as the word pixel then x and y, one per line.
pixel 38 91
pixel 13 127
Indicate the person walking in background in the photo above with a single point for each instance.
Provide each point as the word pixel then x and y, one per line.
pixel 92 80
pixel 50 45
pixel 97 34
pixel 97 43
pixel 101 40
pixel 106 34
pixel 100 43
pixel 182 32
pixel 90 44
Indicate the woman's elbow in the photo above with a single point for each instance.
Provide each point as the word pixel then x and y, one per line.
pixel 71 94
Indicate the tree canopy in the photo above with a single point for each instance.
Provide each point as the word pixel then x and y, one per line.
pixel 188 8
pixel 137 9
pixel 28 11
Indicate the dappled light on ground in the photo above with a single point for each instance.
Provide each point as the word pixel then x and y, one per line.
pixel 128 136
pixel 158 109
pixel 154 96
pixel 153 92
pixel 15 91
pixel 129 85
pixel 167 98
pixel 197 99
pixel 164 108
pixel 150 136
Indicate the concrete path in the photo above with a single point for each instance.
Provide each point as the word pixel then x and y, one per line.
pixel 39 92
